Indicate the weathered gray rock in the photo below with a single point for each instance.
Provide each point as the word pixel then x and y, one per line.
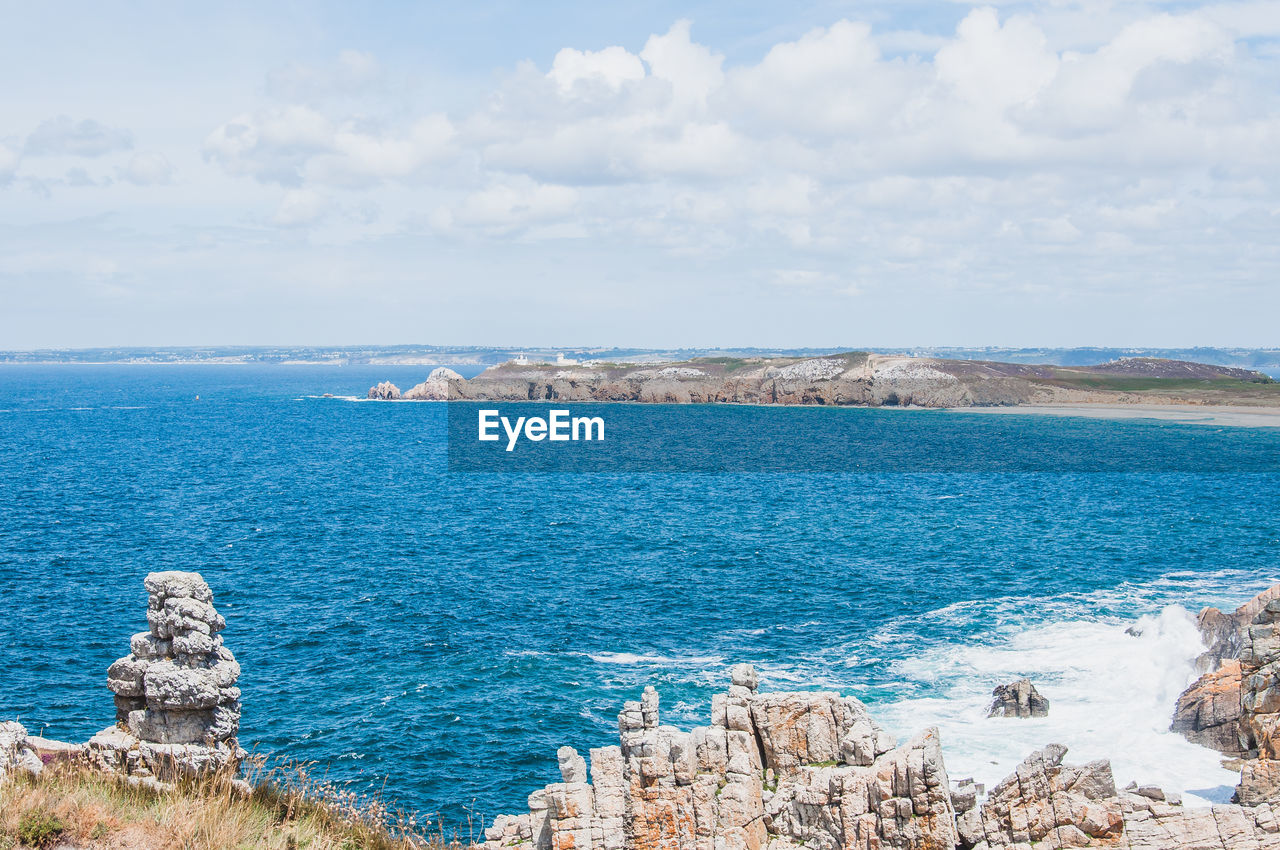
pixel 385 391
pixel 435 387
pixel 1018 699
pixel 176 701
pixel 964 795
pixel 1234 707
pixel 16 753
pixel 1155 824
pixel 1224 634
pixel 573 767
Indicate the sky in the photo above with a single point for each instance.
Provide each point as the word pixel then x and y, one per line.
pixel 664 174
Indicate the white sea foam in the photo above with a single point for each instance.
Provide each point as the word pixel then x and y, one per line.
pixel 655 660
pixel 1111 695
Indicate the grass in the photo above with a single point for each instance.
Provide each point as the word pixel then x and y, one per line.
pixel 1140 383
pixel 288 809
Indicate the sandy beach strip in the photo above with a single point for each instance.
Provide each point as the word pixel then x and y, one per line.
pixel 1185 414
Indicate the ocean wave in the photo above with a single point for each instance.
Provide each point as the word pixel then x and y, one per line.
pixel 1111 693
pixel 628 658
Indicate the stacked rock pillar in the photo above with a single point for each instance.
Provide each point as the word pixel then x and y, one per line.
pixel 175 692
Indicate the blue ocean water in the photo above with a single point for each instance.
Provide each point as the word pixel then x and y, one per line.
pixel 440 634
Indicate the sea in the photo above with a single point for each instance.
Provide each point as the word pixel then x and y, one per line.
pixel 432 634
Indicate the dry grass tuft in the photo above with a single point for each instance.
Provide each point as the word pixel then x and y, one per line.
pixel 289 809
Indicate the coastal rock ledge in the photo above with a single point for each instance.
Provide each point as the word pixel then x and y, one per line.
pixel 813 770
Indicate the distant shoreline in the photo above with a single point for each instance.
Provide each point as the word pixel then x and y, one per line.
pixel 1234 416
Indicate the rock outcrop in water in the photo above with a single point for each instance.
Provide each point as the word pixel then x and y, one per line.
pixel 177 704
pixel 385 391
pixel 1018 699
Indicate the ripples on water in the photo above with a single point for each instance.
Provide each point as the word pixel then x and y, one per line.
pixel 450 631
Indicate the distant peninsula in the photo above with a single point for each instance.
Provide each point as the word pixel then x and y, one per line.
pixel 856 378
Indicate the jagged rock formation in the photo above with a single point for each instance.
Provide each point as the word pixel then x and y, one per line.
pixel 1208 712
pixel 781 771
pixel 1260 682
pixel 1018 699
pixel 177 705
pixel 435 387
pixel 772 770
pixel 1224 633
pixel 385 391
pixel 1235 707
pixel 1050 802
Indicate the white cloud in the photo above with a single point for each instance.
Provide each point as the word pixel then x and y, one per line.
pixel 8 163
pixel 298 207
pixel 294 144
pixel 355 72
pixel 1011 137
pixel 582 69
pixel 148 168
pixel 64 136
pixel 692 70
pixel 504 207
pixel 994 66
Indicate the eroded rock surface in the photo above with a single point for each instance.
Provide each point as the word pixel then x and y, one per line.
pixel 435 387
pixel 1224 634
pixel 774 770
pixel 17 755
pixel 1208 712
pixel 1018 699
pixel 385 391
pixel 1235 708
pixel 1050 804
pixel 177 704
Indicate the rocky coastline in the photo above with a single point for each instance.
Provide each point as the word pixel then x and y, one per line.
pixel 784 771
pixel 771 770
pixel 853 379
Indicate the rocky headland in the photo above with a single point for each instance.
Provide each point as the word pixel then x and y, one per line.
pixel 852 379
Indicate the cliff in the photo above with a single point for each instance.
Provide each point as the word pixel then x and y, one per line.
pixel 781 771
pixel 784 771
pixel 854 379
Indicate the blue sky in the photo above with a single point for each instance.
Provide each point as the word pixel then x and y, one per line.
pixel 825 174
